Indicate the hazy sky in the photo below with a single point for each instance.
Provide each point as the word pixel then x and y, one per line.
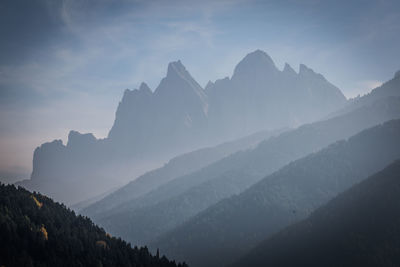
pixel 65 63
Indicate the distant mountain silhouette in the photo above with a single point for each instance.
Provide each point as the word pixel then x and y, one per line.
pixel 141 220
pixel 225 231
pixel 35 231
pixel 357 228
pixel 178 117
pixel 259 95
pixel 174 115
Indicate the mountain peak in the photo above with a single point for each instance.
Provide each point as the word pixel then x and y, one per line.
pixel 288 69
pixel 308 72
pixel 75 138
pixel 179 81
pixel 258 53
pixel 177 71
pixel 257 60
pixel 397 74
pixel 144 88
pixel 303 69
pixel 176 67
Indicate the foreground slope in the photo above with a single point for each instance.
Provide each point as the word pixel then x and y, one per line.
pixel 228 229
pixel 145 218
pixel 35 231
pixel 359 227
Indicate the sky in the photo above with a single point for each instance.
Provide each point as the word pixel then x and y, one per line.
pixel 64 64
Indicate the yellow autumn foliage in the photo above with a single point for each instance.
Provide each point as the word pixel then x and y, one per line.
pixel 44 232
pixel 37 202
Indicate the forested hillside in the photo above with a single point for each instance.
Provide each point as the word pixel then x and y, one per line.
pixel 145 218
pixel 35 231
pixel 360 227
pixel 221 233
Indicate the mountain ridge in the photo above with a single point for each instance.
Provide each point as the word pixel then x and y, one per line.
pixel 181 198
pixel 236 224
pixel 176 167
pixel 180 116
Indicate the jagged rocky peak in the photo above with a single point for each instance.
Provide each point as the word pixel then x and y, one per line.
pixel 144 88
pixel 127 95
pixel 76 139
pixel 255 62
pixel 179 81
pixel 44 155
pixel 133 97
pixel 176 68
pixel 305 71
pixel 289 70
pixel 134 103
pixel 54 145
pixel 177 73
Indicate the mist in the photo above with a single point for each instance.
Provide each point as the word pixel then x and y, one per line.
pixel 217 133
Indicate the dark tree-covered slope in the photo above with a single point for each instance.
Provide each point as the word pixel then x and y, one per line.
pixel 35 231
pixel 360 227
pixel 226 230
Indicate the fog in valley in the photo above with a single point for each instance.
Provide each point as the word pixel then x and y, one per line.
pixel 251 133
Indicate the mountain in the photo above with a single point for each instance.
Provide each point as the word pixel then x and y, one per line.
pixel 357 228
pixel 257 89
pixel 35 231
pixel 179 117
pixel 174 115
pixel 145 124
pixel 145 218
pixel 81 169
pixel 225 231
pixel 176 167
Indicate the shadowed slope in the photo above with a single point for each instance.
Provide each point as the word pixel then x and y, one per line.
pixel 145 218
pixel 223 232
pixel 359 227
